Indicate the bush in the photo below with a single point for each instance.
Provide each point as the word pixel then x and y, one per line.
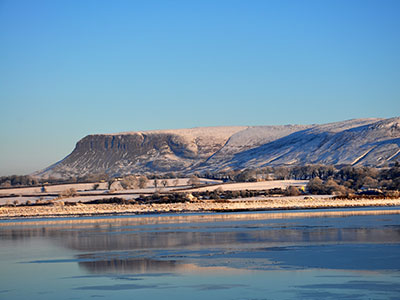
pixel 71 192
pixel 143 182
pixel 130 182
pixel 112 200
pixel 316 186
pixel 292 191
pixel 193 181
pixel 115 186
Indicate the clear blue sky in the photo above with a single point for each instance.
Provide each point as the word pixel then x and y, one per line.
pixel 72 68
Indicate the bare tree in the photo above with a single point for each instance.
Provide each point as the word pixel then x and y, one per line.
pixel 115 186
pixel 316 186
pixel 130 182
pixel 71 192
pixel 143 182
pixel 193 180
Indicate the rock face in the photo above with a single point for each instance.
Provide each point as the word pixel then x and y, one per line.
pixel 369 142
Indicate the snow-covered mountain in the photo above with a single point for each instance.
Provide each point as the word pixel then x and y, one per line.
pixel 370 142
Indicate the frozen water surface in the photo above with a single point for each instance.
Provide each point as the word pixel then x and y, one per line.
pixel 321 254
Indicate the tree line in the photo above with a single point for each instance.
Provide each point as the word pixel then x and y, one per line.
pixel 323 179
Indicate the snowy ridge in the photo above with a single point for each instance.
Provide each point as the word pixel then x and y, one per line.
pixel 371 142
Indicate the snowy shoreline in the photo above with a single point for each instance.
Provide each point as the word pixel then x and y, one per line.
pixel 271 204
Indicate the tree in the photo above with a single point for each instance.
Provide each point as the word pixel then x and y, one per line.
pixel 164 182
pixel 292 191
pixel 331 187
pixel 281 173
pixel 193 181
pixel 130 182
pixel 115 186
pixel 71 192
pixel 143 182
pixel 369 182
pixel 246 176
pixel 110 182
pixel 316 186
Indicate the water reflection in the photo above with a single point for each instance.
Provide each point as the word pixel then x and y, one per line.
pixel 209 231
pixel 127 265
pixel 308 255
pixel 109 241
pixel 197 218
pixel 167 244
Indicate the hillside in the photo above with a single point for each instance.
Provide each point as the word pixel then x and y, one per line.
pixel 370 142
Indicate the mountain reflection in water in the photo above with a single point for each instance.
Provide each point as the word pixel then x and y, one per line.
pixel 127 265
pixel 209 231
pixel 304 254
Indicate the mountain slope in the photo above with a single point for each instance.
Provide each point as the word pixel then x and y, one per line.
pixel 372 142
pixel 139 152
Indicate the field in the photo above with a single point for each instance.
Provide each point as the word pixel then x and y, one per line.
pixel 244 204
pixel 76 205
pixel 85 191
pixel 262 185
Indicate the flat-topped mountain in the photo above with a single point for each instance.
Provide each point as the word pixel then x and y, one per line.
pixel 358 142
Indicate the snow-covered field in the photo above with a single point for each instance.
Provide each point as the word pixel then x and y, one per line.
pixel 86 193
pixel 80 187
pixel 262 185
pixel 275 203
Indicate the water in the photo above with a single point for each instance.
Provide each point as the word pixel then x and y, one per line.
pixel 297 255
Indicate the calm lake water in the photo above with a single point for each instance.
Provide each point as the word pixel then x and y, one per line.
pixel 324 254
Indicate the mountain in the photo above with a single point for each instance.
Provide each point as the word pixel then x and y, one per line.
pixel 357 142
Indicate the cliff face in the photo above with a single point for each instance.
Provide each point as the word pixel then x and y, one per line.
pixel 139 152
pixel 372 142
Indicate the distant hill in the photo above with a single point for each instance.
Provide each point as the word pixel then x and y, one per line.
pixel 357 142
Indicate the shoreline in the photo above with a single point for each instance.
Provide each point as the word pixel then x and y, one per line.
pixel 272 204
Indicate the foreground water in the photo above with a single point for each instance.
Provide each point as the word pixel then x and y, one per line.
pixel 297 255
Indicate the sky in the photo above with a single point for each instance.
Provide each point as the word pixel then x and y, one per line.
pixel 73 68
